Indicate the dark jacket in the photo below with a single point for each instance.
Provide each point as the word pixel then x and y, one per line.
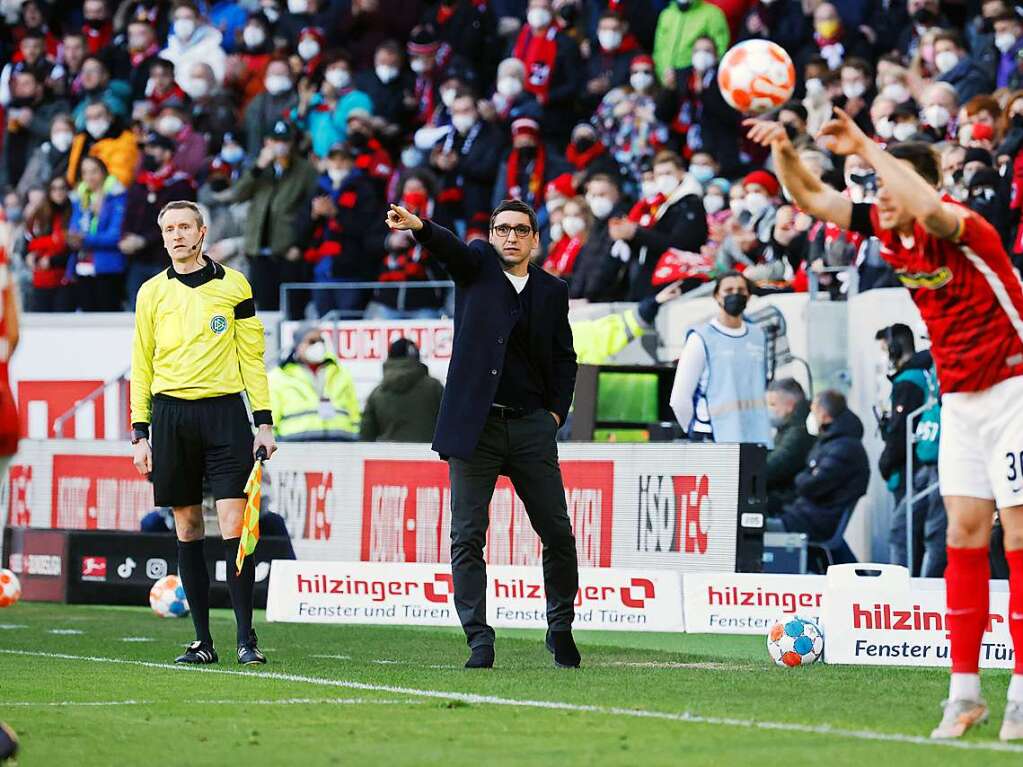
pixel 599 276
pixel 486 310
pixel 792 445
pixel 343 245
pixel 968 78
pixel 471 31
pixel 389 99
pixel 466 189
pixel 404 407
pixel 262 112
pixel 714 124
pixel 836 476
pixel 907 396
pixel 141 211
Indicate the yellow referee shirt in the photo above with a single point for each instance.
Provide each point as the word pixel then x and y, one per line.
pixel 197 336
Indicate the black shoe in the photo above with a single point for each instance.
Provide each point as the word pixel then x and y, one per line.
pixel 562 646
pixel 482 657
pixel 200 653
pixel 248 653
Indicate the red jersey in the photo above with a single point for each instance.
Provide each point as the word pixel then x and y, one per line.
pixel 968 294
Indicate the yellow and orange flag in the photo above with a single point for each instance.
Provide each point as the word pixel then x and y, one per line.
pixel 250 519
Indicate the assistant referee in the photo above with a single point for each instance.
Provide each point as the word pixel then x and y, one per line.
pixel 198 344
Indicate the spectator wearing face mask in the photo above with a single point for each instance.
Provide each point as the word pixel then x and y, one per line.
pixel 26 126
pixel 760 201
pixel 323 113
pixel 106 139
pixel 312 395
pixel 1008 42
pixel 696 113
pixel 597 274
pixel 307 14
pixel 987 195
pixel 46 226
pixel 405 260
pixel 857 80
pixel 553 67
pixel 97 27
pixel 278 99
pixel 833 41
pixel 143 50
pixel 587 155
pixel 510 100
pixel 191 154
pixel 428 63
pixel 527 167
pixel 675 218
pixel 192 41
pixel 310 51
pixel 160 181
pixel 389 86
pixel 338 241
pixel 608 64
pixel 679 26
pixel 719 393
pixel 30 56
pixel 627 122
pixel 49 159
pixel 97 86
pixel 924 16
pixel 214 109
pixel 245 69
pixel 161 87
pixel 957 68
pixel 568 236
pixel 789 409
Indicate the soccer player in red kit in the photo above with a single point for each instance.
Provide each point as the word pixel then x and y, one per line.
pixel 971 299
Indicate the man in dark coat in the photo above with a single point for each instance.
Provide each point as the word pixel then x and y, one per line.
pixel 836 475
pixel 510 384
pixel 404 407
pixel 792 442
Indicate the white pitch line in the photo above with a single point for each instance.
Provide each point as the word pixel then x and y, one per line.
pixel 12 626
pixel 65 632
pixel 672 665
pixel 137 639
pixel 333 657
pixel 270 702
pixel 685 716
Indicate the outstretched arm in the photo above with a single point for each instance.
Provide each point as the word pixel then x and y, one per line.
pixel 907 187
pixel 811 194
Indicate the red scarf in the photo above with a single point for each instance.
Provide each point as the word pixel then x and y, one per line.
pixel 409 265
pixel 137 57
pixel 644 212
pixel 98 39
pixel 424 98
pixel 561 259
pixel 538 53
pixel 156 180
pixel 534 194
pixel 581 160
pixel 156 100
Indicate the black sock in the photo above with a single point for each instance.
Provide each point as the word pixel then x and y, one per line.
pixel 196 580
pixel 241 587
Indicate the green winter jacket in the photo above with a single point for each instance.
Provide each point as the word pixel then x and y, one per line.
pixel 404 407
pixel 678 30
pixel 792 445
pixel 282 199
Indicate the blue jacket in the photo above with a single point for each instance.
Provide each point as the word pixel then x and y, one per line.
pixel 330 127
pixel 102 235
pixel 486 310
pixel 968 78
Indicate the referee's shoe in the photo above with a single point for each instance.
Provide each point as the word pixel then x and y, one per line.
pixel 198 653
pixel 248 653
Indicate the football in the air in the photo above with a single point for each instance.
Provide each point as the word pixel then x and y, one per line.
pixel 167 598
pixel 795 642
pixel 10 588
pixel 756 76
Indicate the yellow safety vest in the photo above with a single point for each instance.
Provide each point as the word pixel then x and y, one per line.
pixel 308 406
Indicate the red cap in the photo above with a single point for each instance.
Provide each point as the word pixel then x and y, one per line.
pixel 315 32
pixel 641 59
pixel 765 179
pixel 525 126
pixel 562 185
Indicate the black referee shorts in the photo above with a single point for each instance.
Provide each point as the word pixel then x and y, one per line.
pixel 195 438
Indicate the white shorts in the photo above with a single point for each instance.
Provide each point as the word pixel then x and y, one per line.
pixel 981 452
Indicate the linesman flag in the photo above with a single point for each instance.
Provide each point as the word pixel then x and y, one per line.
pixel 250 519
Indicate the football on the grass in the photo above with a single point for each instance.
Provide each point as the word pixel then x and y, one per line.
pixel 167 598
pixel 795 642
pixel 10 588
pixel 756 76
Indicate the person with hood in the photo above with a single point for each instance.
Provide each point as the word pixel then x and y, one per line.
pixel 312 396
pixel 192 41
pixel 404 406
pixel 106 139
pixel 914 383
pixel 835 477
pixel 789 409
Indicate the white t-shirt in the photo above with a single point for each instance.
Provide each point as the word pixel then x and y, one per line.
pixel 519 283
pixel 692 373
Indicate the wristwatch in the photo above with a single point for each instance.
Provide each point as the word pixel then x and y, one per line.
pixel 137 435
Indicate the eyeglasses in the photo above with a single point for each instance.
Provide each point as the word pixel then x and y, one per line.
pixel 521 230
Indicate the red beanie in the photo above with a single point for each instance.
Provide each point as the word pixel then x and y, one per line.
pixel 562 185
pixel 765 179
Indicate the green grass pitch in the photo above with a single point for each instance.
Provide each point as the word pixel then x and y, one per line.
pixel 96 686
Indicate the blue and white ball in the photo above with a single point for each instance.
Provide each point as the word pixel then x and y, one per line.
pixel 167 598
pixel 795 642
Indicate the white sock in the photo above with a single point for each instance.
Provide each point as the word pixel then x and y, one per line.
pixel 1016 689
pixel 965 687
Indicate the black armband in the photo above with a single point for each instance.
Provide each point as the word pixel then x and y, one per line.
pixel 245 309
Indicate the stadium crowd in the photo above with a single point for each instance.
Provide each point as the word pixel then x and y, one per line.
pixel 296 123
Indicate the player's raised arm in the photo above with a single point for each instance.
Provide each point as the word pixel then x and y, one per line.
pixel 813 196
pixel 920 199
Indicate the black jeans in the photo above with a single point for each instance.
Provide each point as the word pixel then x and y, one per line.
pixel 524 449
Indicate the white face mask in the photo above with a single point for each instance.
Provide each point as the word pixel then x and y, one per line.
pixel 897 92
pixel 854 90
pixel 945 61
pixel 386 73
pixel 308 49
pixel 298 6
pixel 903 131
pixel 169 126
pixel 411 157
pixel 196 89
pixel 509 87
pixel 1005 41
pixel 138 42
pixel 812 427
pixel 272 14
pixel 97 128
pixel 61 140
pixel 448 96
pixel 713 203
pixel 556 232
pixel 936 116
pixel 641 81
pixel 253 37
pixel 737 205
pixel 703 60
pixel 885 128
pixel 418 66
pixel 814 87
pixel 538 18
pixel 277 84
pixel 184 28
pixel 232 154
pixel 463 123
pixel 338 78
pixel 573 225
pixel 601 206
pixel 337 175
pixel 609 39
pixel 666 184
pixel 756 202
pixel 648 189
pixel 315 353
